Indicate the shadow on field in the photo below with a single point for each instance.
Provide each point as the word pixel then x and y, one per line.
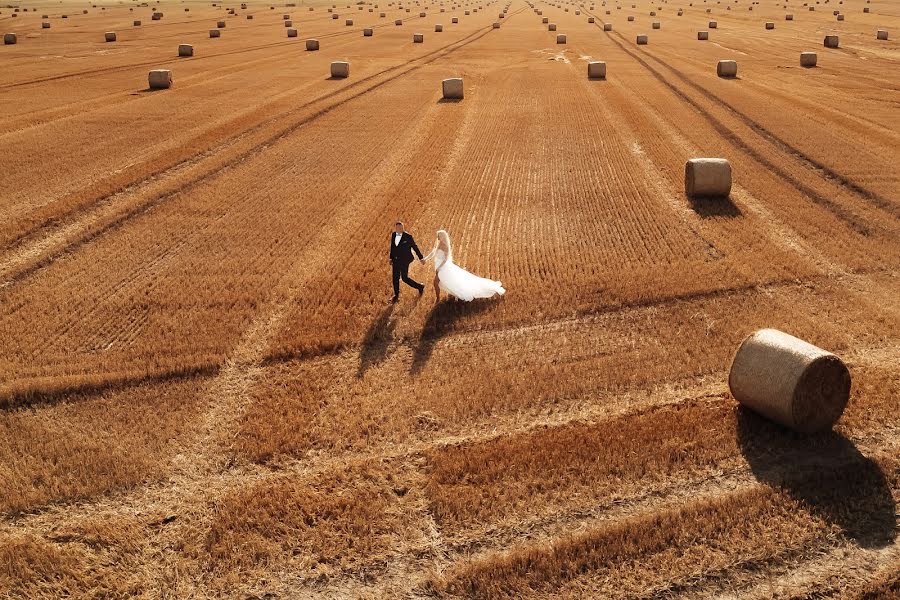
pixel 715 206
pixel 449 100
pixel 377 341
pixel 826 473
pixel 442 320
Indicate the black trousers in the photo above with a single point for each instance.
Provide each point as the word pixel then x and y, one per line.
pixel 401 271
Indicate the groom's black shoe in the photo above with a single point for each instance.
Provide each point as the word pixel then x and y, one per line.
pixel 395 299
pixel 421 291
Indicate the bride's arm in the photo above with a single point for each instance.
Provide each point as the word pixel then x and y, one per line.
pixel 429 255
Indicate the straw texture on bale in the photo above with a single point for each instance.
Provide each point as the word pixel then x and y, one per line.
pixel 545 20
pixel 214 33
pixel 656 25
pixel 788 17
pixel 291 32
pixel 726 68
pixel 398 22
pixel 551 27
pixel 713 25
pixel 831 41
pixel 770 25
pixel 418 38
pixel 707 177
pixel 882 34
pixel 790 381
pixel 607 27
pixel 10 38
pixel 702 35
pixel 438 28
pixel 496 25
pixel 561 38
pixel 340 69
pixel 808 59
pixel 185 50
pixel 160 79
pixel 110 36
pixel 596 69
pixel 45 25
pixel 312 45
pixel 368 31
pixel 454 20
pixel 220 24
pixel 642 40
pixel 452 88
pixel 288 23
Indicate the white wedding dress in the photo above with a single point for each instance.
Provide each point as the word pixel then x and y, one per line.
pixel 458 282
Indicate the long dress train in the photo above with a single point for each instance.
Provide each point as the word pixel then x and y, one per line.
pixel 458 282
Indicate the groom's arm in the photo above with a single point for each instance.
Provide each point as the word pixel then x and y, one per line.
pixel 415 248
pixel 391 251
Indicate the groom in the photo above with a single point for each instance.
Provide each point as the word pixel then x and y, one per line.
pixel 402 247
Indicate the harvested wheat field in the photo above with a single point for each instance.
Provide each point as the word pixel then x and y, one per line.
pixel 205 390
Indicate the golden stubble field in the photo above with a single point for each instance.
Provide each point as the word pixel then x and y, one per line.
pixel 205 393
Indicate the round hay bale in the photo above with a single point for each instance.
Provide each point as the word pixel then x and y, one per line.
pixel 726 68
pixel 789 381
pixel 221 24
pixel 865 9
pixel 137 23
pixel 707 177
pixel 702 35
pixel 466 13
pixel 335 17
pixel 656 25
pixel 156 16
pixel 312 45
pixel 882 34
pixel 422 15
pixel 249 17
pixel 831 41
pixel 348 22
pixel 496 25
pixel 545 20
pixel 607 27
pixel 452 88
pixel 788 17
pixel 561 38
pixel 340 69
pixel 382 15
pixel 770 25
pixel 292 32
pixel 630 18
pixel 45 25
pixel 418 38
pixel 214 33
pixel 840 17
pixel 712 25
pixel 288 23
pixel 285 17
pixel 368 31
pixel 160 79
pixel 110 36
pixel 642 40
pixel 590 19
pixel 438 28
pixel 454 20
pixel 808 59
pixel 398 22
pixel 596 69
pixel 10 38
pixel 185 50
pixel 551 27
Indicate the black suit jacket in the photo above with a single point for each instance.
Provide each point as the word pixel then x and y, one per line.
pixel 403 252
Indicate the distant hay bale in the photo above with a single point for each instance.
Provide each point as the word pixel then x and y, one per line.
pixel 561 38
pixel 185 50
pixel 496 25
pixel 155 16
pixel 882 34
pixel 454 20
pixel 770 25
pixel 249 17
pixel 10 38
pixel 285 17
pixel 630 18
pixel 831 41
pixel 789 381
pixel 788 17
pixel 348 22
pixel 418 38
pixel 452 88
pixel 220 24
pixel 590 19
pixel 398 22
pixel 438 28
pixel 382 15
pixel 45 25
pixel 712 25
pixel 368 31
pixel 551 27
pixel 335 17
pixel 545 20
pixel 652 13
pixel 137 23
pixel 607 27
pixel 340 69
pixel 596 69
pixel 702 35
pixel 707 177
pixel 726 68
pixel 312 45
pixel 160 79
pixel 288 23
pixel 214 33
pixel 865 9
pixel 422 14
pixel 656 25
pixel 808 59
pixel 840 17
pixel 292 32
pixel 642 40
pixel 467 13
pixel 110 36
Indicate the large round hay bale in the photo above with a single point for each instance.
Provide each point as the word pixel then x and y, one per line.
pixel 561 38
pixel 288 23
pixel 607 27
pixel 496 25
pixel 545 20
pixel 185 50
pixel 808 59
pixel 110 36
pixel 368 31
pixel 707 177
pixel 882 34
pixel 712 25
pixel 596 69
pixel 220 24
pixel 551 27
pixel 831 41
pixel 438 28
pixel 656 25
pixel 642 40
pixel 340 69
pixel 214 33
pixel 452 88
pixel 789 381
pixel 160 79
pixel 348 22
pixel 10 38
pixel 726 68
pixel 418 38
pixel 702 35
pixel 312 45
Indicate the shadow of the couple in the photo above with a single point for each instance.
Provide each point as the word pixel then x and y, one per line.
pixel 826 473
pixel 376 342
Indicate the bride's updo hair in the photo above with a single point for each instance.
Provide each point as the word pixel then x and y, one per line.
pixel 443 236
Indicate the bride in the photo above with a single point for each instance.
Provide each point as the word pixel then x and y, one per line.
pixel 455 280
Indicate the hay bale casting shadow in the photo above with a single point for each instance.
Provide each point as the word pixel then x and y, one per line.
pixel 825 472
pixel 442 320
pixel 376 343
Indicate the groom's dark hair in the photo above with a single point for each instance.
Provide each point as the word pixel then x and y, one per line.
pixel 400 223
